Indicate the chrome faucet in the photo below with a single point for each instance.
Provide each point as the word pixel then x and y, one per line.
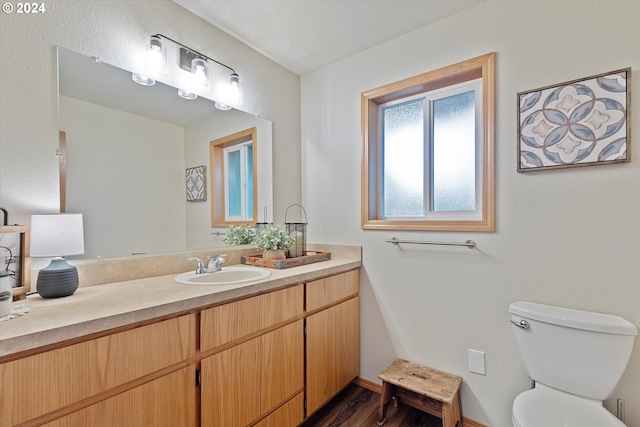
pixel 200 268
pixel 215 262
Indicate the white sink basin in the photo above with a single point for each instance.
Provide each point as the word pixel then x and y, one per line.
pixel 227 276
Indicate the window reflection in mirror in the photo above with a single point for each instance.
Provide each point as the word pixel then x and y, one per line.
pixel 127 149
pixel 233 201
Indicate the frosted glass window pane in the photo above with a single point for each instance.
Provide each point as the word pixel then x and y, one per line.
pixel 403 164
pixel 249 181
pixel 234 185
pixel 454 159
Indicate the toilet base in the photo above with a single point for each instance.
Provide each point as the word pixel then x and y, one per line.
pixel 548 407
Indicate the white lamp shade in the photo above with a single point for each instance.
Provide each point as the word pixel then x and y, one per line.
pixel 56 235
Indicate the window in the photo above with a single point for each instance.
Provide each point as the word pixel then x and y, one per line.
pixel 428 151
pixel 233 177
pixel 238 194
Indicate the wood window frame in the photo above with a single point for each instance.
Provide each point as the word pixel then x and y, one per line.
pixel 479 67
pixel 217 176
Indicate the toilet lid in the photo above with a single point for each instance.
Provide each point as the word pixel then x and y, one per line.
pixel 545 407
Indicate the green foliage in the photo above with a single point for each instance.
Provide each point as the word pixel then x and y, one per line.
pixel 273 238
pixel 241 235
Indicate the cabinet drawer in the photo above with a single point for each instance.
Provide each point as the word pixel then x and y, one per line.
pixel 324 292
pixel 229 322
pixel 173 404
pixel 39 384
pixel 288 415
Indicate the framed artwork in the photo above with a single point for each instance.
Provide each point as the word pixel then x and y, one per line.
pixel 14 258
pixel 196 184
pixel 577 123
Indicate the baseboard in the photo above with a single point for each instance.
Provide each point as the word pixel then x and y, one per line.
pixel 377 388
pixel 369 385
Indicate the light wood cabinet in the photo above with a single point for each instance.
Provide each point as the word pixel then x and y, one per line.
pixel 249 355
pixel 51 384
pixel 257 366
pixel 332 337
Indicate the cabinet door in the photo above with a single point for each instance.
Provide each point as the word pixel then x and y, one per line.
pixel 282 354
pixel 168 401
pixel 230 392
pixel 248 380
pixel 347 341
pixel 321 358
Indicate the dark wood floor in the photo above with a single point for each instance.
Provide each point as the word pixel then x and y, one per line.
pixel 356 406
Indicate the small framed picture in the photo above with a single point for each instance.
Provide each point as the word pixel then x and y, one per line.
pixel 197 184
pixel 577 123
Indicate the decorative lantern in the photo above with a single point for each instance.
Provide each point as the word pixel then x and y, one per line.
pixel 298 230
pixel 262 225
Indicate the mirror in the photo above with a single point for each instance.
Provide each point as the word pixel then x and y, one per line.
pixel 127 151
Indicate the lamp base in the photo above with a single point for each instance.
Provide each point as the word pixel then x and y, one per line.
pixel 58 279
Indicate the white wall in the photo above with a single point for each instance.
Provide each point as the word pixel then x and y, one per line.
pixel 125 173
pixel 197 138
pixel 565 237
pixel 115 30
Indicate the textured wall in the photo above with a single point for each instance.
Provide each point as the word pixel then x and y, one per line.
pixel 565 237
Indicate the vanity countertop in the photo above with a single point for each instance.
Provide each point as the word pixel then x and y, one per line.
pixel 94 309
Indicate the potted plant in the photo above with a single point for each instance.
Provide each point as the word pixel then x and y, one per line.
pixel 241 235
pixel 274 242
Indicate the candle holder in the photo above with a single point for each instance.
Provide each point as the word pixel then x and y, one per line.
pixel 297 230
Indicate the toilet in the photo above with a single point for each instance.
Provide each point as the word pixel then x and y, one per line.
pixel 575 359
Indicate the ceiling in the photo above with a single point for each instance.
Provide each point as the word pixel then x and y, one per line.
pixel 304 35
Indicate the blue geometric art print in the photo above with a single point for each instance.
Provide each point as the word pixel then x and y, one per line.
pixel 578 123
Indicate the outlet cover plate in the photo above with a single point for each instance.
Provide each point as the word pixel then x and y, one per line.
pixel 477 362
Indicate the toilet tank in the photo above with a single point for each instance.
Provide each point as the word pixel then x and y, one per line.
pixel 576 351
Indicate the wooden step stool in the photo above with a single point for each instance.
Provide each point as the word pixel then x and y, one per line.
pixel 420 387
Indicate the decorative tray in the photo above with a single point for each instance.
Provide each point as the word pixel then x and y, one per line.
pixel 280 264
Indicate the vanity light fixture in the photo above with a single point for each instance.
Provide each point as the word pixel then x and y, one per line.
pixel 57 235
pixel 194 62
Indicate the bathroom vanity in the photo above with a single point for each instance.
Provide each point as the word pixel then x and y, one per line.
pixel 154 352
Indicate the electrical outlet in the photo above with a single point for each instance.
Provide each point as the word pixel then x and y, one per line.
pixel 477 362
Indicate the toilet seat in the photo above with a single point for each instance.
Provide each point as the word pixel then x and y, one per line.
pixel 546 407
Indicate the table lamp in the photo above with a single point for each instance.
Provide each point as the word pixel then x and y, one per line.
pixel 57 235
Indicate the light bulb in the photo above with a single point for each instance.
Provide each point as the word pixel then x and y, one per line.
pixel 156 57
pixel 230 95
pixel 200 74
